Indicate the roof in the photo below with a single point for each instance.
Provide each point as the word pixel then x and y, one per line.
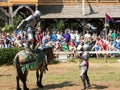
pixel 91 11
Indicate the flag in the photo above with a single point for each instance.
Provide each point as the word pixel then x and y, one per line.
pixel 107 19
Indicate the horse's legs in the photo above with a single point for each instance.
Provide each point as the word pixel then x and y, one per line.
pixel 25 74
pixel 18 86
pixel 23 79
pixel 40 81
pixel 19 72
pixel 37 76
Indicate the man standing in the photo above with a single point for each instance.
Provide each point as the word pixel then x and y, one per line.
pixel 67 36
pixel 84 64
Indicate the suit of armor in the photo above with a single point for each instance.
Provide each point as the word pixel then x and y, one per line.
pixel 29 24
pixel 84 64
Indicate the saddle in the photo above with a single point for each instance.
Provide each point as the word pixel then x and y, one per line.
pixel 31 59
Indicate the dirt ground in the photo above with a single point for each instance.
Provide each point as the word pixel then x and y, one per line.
pixel 63 76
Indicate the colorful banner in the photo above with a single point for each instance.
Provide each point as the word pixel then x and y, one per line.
pixel 108 19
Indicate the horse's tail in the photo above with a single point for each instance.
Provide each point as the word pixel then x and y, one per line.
pixel 18 68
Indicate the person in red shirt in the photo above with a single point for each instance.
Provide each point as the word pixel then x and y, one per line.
pixel 102 44
pixel 71 45
pixel 39 35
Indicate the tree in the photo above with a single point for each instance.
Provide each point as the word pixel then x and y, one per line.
pixel 7 28
pixel 60 25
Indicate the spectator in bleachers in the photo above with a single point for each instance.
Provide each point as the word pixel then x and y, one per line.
pixel 12 44
pixel 109 36
pixel 69 41
pixel 44 38
pixel 6 44
pixel 17 42
pixel 54 36
pixel 114 35
pixel 67 36
pixel 117 46
pixel 48 36
pixel 23 35
pixel 118 33
pixel 58 35
pixel 87 36
pixel 72 35
pixel 57 46
pixel 1 44
pixel 96 47
pixel 94 36
pixel 79 47
pixel 77 37
pixel 65 47
pixel 101 43
pixel 118 39
pixel 72 45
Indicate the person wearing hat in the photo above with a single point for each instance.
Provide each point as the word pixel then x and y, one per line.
pixel 29 24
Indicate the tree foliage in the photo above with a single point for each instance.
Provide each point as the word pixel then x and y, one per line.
pixel 60 25
pixel 7 28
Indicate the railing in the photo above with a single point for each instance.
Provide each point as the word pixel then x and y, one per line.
pixel 105 53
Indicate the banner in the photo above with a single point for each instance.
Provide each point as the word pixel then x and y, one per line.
pixel 108 19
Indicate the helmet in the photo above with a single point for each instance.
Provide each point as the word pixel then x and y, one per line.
pixel 86 47
pixel 37 13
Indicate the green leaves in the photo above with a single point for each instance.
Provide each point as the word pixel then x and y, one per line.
pixel 7 55
pixel 8 28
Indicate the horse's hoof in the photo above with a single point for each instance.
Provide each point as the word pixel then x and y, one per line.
pixel 40 86
pixel 26 88
pixel 18 88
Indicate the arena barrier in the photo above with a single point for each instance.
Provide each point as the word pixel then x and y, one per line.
pixel 63 56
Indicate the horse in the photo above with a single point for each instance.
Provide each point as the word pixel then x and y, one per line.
pixel 26 60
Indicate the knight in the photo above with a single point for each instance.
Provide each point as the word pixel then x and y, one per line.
pixel 84 65
pixel 29 24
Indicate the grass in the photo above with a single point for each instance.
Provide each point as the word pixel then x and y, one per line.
pixel 63 76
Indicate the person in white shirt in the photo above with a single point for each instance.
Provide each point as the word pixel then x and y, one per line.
pixel 87 36
pixel 77 37
pixel 72 35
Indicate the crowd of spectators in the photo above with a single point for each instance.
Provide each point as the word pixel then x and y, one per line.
pixel 69 40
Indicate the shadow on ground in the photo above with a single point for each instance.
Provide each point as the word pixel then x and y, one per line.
pixel 98 87
pixel 53 86
pixel 2 75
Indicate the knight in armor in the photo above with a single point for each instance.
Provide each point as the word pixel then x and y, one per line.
pixel 84 64
pixel 29 24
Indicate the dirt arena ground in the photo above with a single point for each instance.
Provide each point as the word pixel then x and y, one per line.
pixel 65 76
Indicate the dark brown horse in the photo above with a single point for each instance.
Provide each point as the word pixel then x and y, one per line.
pixel 26 60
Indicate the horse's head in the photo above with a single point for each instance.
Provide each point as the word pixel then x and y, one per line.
pixel 49 53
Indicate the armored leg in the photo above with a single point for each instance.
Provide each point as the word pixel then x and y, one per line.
pixel 87 79
pixel 84 83
pixel 88 82
pixel 82 75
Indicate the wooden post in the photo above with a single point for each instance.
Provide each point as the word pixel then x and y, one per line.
pixel 83 7
pixel 105 57
pixel 11 15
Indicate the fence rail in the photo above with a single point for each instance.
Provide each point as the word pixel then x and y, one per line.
pixel 91 52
